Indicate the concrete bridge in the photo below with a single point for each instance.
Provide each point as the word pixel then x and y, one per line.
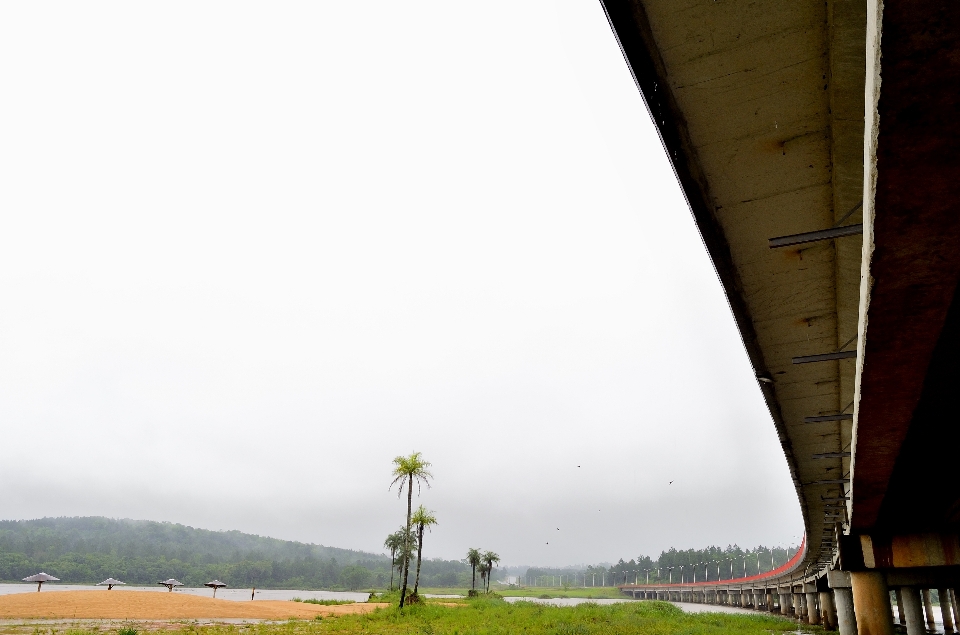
pixel 816 142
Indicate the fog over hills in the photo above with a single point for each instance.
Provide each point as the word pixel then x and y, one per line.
pixel 53 537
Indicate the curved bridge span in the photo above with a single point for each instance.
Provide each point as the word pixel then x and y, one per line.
pixel 827 201
pixel 785 590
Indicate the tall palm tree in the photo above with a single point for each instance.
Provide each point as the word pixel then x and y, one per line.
pixel 474 560
pixel 484 569
pixel 422 519
pixel 394 543
pixel 489 558
pixel 406 470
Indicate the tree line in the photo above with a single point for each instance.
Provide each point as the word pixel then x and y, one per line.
pixel 687 565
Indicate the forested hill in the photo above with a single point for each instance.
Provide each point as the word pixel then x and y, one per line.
pixel 53 537
pixel 84 550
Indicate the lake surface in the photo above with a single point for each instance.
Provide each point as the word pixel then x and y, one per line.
pixel 687 607
pixel 226 594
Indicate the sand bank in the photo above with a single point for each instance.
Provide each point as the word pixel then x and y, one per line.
pixel 146 605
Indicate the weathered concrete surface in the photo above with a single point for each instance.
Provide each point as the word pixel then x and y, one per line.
pixel 907 432
pixel 760 107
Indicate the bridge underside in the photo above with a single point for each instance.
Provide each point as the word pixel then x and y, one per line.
pixel 816 145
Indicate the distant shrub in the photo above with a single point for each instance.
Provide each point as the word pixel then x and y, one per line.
pixel 323 602
pixel 127 630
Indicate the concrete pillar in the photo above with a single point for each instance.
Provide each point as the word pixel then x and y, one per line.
pixel 829 619
pixel 945 610
pixel 846 616
pixel 871 603
pixel 912 611
pixel 801 602
pixel 786 603
pixel 813 614
pixel 953 603
pixel 899 594
pixel 798 605
pixel 928 609
pixel 769 602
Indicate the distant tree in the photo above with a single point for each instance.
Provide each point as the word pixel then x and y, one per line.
pixel 474 560
pixel 406 470
pixel 422 519
pixel 354 577
pixel 394 543
pixel 489 558
pixel 484 570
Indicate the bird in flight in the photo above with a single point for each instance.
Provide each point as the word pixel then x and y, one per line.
pixel 670 483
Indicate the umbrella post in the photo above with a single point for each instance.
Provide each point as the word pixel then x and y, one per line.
pixel 38 586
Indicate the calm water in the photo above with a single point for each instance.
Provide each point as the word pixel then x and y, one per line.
pixel 226 594
pixel 685 606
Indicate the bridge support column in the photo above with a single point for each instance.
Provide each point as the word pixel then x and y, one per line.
pixel 898 593
pixel 912 611
pixel 769 602
pixel 928 609
pixel 827 611
pixel 801 602
pixel 786 603
pixel 846 616
pixel 871 603
pixel 953 603
pixel 813 614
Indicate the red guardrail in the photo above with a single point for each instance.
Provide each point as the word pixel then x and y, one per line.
pixel 784 568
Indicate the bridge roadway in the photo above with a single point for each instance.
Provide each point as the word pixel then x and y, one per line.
pixel 816 144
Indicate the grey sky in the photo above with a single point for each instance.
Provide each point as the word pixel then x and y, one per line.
pixel 252 251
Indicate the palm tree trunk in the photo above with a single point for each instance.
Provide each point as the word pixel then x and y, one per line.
pixel 474 584
pixel 393 563
pixel 416 583
pixel 406 541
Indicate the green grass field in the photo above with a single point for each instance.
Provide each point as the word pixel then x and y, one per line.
pixel 497 617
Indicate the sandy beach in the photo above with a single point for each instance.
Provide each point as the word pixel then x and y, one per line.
pixel 145 605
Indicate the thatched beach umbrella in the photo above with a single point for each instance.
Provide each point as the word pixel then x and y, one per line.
pixel 110 582
pixel 170 584
pixel 216 584
pixel 40 578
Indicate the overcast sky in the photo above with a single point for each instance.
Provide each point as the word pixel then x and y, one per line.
pixel 250 252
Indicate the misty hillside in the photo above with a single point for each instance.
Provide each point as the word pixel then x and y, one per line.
pixel 91 549
pixel 53 537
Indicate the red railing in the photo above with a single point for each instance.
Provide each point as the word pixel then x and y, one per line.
pixel 784 568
